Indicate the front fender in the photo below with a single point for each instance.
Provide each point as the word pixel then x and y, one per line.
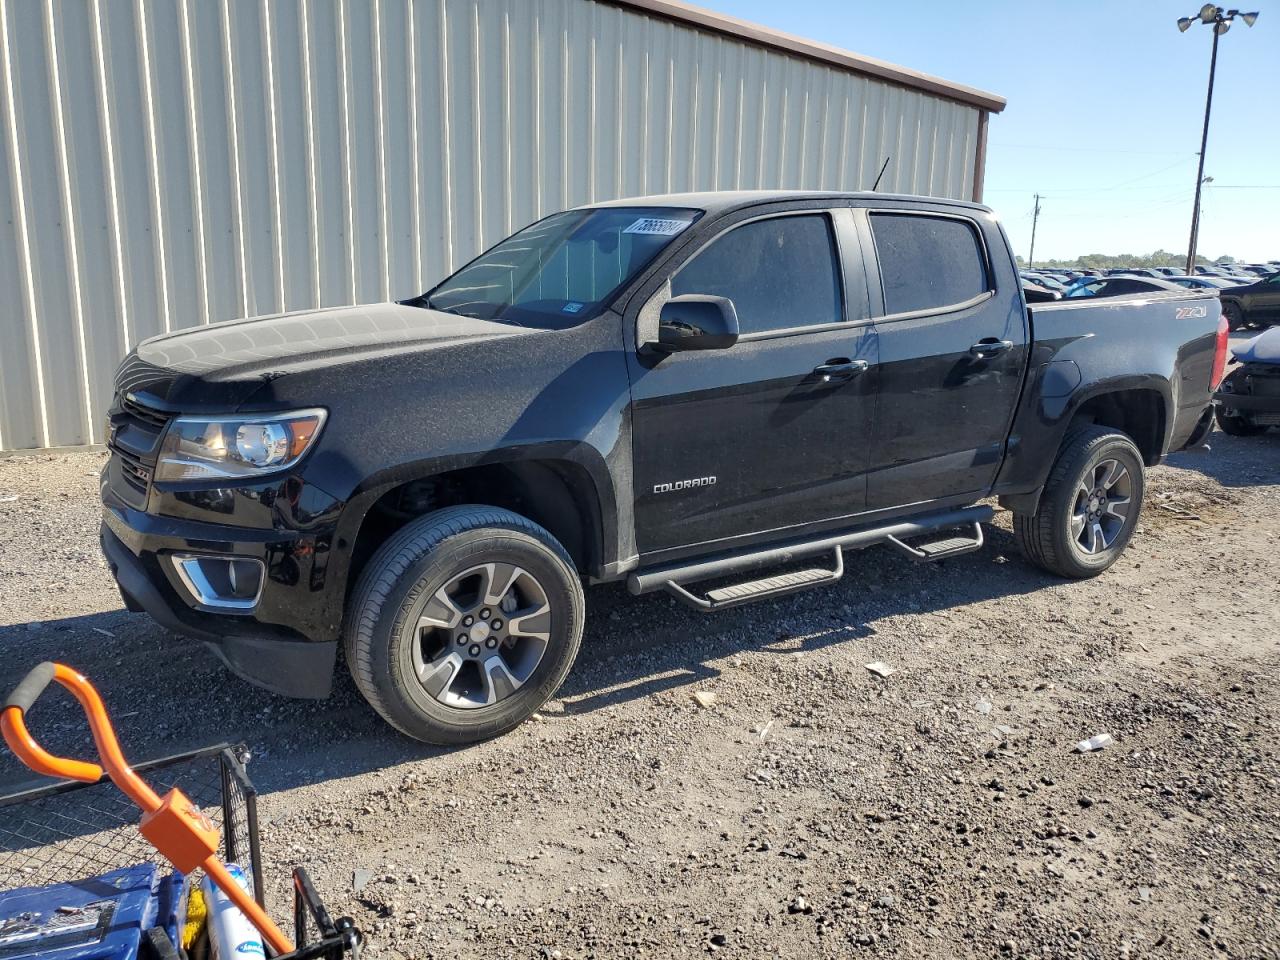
pixel 602 510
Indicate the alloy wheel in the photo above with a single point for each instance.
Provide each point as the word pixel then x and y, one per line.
pixel 480 637
pixel 1102 505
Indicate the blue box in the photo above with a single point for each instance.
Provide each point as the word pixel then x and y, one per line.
pixel 99 918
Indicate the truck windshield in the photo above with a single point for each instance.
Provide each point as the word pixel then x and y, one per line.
pixel 561 270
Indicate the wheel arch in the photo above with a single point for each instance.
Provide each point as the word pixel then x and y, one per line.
pixel 1136 406
pixel 557 491
pixel 1140 412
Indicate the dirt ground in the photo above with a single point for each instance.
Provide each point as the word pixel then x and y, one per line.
pixel 812 809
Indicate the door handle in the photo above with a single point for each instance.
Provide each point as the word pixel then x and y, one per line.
pixel 840 369
pixel 990 347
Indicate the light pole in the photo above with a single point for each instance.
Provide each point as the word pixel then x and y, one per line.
pixel 1221 21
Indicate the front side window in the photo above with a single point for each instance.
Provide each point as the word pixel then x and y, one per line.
pixel 780 273
pixel 928 263
pixel 561 270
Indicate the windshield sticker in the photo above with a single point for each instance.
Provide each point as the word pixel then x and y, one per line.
pixel 655 226
pixel 571 307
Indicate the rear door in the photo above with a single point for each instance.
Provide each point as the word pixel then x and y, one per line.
pixel 952 335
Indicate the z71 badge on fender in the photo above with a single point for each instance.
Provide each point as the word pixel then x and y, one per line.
pixel 1191 313
pixel 684 484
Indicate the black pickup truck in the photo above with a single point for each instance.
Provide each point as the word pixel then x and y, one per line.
pixel 726 388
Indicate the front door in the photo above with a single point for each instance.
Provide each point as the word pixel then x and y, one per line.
pixel 771 432
pixel 953 350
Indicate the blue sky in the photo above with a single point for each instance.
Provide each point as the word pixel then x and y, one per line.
pixel 1106 103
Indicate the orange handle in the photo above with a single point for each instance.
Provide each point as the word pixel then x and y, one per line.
pixel 13 725
pixel 24 747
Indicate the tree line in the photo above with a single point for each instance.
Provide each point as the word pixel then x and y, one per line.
pixel 1110 261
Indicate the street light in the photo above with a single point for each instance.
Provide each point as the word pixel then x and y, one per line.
pixel 1221 21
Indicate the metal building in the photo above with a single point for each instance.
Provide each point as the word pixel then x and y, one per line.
pixel 165 163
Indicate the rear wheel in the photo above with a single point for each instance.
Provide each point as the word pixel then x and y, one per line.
pixel 464 624
pixel 1236 425
pixel 1089 507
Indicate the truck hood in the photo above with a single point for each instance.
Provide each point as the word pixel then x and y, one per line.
pixel 225 363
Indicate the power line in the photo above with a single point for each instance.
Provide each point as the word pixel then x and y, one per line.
pixel 1122 185
pixel 1056 147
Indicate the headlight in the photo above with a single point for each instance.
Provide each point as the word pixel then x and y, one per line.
pixel 202 448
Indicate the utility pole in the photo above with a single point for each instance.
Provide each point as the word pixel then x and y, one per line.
pixel 1211 16
pixel 1204 142
pixel 1031 260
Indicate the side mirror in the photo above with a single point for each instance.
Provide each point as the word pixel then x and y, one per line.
pixel 696 322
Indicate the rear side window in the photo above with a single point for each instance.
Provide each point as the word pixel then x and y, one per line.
pixel 928 263
pixel 779 272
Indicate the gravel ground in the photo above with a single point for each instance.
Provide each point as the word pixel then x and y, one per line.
pixel 811 809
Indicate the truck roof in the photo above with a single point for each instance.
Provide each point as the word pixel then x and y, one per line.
pixel 721 201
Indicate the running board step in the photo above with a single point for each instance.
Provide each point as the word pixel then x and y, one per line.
pixel 674 578
pixel 766 588
pixel 940 549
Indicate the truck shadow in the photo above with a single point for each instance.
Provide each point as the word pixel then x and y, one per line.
pixel 1236 461
pixel 636 647
pixel 168 694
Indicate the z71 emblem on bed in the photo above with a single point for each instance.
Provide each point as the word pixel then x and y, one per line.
pixel 1189 313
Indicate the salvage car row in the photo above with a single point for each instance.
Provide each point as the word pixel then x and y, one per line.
pixel 1246 302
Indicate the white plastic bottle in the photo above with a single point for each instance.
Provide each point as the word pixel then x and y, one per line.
pixel 231 935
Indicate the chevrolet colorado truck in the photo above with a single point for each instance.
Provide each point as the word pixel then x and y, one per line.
pixel 713 395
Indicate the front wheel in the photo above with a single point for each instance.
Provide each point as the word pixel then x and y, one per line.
pixel 464 623
pixel 1234 315
pixel 1089 507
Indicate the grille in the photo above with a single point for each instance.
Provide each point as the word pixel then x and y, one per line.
pixel 134 471
pixel 140 411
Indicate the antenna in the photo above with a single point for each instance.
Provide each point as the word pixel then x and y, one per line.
pixel 884 166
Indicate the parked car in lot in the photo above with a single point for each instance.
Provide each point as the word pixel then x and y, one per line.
pixel 1034 293
pixel 1204 283
pixel 661 391
pixel 1137 272
pixel 1119 285
pixel 1248 400
pixel 1045 280
pixel 1253 304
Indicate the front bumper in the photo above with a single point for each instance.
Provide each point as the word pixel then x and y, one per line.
pixel 287 643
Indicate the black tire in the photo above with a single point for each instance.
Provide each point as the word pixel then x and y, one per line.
pixel 407 572
pixel 1234 314
pixel 1236 426
pixel 1046 537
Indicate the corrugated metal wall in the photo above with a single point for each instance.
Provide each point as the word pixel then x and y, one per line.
pixel 166 163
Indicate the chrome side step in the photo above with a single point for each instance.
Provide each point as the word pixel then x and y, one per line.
pixel 766 588
pixel 940 549
pixel 674 577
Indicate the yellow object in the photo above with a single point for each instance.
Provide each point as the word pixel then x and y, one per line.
pixel 196 915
